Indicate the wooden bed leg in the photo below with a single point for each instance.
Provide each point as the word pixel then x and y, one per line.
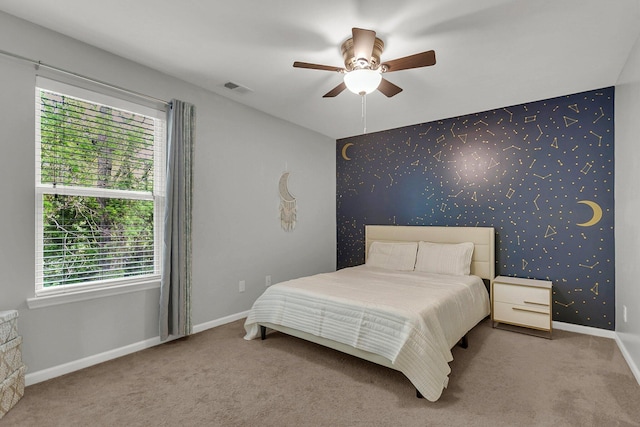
pixel 419 395
pixel 263 332
pixel 464 342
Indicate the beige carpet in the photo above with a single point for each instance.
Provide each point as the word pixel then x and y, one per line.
pixel 215 378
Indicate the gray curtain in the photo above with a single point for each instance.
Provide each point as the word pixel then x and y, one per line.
pixel 175 289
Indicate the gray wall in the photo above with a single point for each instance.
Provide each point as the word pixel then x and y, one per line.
pixel 627 221
pixel 240 154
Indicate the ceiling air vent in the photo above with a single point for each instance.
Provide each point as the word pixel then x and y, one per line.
pixel 235 87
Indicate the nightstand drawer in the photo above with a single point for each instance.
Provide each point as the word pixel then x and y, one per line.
pixel 528 316
pixel 521 295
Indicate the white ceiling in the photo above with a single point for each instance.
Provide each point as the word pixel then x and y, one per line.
pixel 490 53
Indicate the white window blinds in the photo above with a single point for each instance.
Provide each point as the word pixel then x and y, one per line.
pixel 99 188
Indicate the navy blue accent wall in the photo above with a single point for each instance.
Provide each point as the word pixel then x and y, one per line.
pixel 540 173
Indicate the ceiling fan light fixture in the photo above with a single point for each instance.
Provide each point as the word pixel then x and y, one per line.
pixel 363 69
pixel 362 81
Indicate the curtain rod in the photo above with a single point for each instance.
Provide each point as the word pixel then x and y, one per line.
pixel 80 76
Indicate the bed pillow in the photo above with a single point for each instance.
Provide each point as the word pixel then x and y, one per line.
pixel 393 256
pixel 445 258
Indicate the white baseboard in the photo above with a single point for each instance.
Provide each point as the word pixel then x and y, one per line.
pixel 627 356
pixel 586 330
pixel 219 322
pixel 76 365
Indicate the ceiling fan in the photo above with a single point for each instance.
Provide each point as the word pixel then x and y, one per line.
pixel 362 68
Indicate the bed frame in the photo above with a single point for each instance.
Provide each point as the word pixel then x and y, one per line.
pixel 482 265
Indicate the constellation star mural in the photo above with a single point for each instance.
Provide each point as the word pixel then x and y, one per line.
pixel 541 173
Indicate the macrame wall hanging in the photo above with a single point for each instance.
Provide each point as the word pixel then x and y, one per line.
pixel 288 208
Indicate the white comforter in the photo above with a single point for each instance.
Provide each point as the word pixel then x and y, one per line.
pixel 411 318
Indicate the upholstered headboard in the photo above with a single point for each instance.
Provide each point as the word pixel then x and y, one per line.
pixel 483 262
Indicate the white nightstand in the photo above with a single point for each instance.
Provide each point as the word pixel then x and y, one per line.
pixel 523 305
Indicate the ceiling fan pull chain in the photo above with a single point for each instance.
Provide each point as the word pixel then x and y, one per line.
pixel 364 113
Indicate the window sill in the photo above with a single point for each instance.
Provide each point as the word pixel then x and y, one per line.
pixel 87 294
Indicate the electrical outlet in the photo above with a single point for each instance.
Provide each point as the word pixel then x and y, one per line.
pixel 267 280
pixel 241 286
pixel 624 313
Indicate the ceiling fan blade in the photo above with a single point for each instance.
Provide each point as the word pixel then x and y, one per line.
pixel 336 91
pixel 363 41
pixel 299 64
pixel 418 60
pixel 388 88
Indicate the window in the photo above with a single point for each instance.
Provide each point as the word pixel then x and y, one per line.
pixel 99 189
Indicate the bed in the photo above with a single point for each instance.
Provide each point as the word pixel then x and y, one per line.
pixel 418 294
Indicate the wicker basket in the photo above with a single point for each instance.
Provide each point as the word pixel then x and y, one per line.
pixel 11 390
pixel 8 325
pixel 10 357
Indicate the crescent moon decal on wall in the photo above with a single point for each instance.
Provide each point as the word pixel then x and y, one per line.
pixel 597 213
pixel 344 151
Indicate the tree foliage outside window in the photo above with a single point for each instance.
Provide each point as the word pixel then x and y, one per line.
pixel 96 181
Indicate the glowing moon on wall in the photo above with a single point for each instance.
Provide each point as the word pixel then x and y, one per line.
pixel 344 151
pixel 597 213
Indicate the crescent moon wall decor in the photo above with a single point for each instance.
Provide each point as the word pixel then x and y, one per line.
pixel 344 151
pixel 520 169
pixel 597 213
pixel 288 204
